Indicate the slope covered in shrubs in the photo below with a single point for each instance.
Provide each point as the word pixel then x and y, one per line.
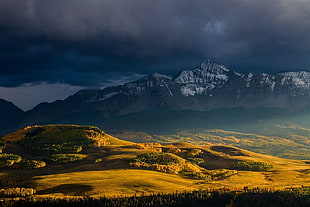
pixel 50 139
pixel 54 143
pixel 252 166
pixel 174 164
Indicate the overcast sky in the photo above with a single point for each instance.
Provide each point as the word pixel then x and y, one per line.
pixel 49 45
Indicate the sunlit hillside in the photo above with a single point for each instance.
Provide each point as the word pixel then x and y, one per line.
pixel 67 160
pixel 286 141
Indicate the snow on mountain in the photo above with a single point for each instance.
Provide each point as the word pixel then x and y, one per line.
pixel 298 79
pixel 206 77
pixel 208 72
pixel 155 80
pixel 159 75
pixel 226 86
pixel 206 87
pixel 248 79
pixel 216 83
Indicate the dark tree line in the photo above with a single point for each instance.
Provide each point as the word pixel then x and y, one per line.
pixel 254 198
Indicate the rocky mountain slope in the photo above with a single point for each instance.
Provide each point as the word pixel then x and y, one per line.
pixel 207 87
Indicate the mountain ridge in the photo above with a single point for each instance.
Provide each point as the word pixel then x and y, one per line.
pixel 10 114
pixel 202 80
pixel 207 87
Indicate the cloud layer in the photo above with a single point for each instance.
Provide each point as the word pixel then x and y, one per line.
pixel 78 42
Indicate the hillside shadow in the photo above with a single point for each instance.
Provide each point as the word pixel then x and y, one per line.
pixel 68 189
pixel 228 150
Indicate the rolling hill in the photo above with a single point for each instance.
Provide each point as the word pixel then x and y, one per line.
pixel 286 141
pixel 72 160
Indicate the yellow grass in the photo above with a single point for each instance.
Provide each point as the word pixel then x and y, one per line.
pixel 113 182
pixel 112 175
pixel 118 180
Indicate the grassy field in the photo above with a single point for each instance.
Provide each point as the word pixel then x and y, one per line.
pixel 106 171
pixel 112 182
pixel 113 176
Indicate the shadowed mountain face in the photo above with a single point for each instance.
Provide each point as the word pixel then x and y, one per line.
pixel 208 87
pixel 10 115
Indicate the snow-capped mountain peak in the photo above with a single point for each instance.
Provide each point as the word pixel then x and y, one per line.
pixel 159 75
pixel 207 72
pixel 298 79
pixel 212 67
pixel 207 87
pixel 207 76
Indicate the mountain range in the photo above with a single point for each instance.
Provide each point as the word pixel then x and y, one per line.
pixel 207 88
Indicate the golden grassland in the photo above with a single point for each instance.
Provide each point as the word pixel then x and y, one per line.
pixel 113 176
pixel 113 182
pixel 105 171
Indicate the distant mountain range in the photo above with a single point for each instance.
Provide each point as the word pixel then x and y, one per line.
pixel 209 87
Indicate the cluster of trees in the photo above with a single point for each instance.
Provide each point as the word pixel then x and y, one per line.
pixel 53 145
pixel 52 139
pixel 54 148
pixel 159 161
pixel 170 169
pixel 167 163
pixel 160 158
pixel 17 162
pixel 219 198
pixel 7 160
pixel 252 166
pixel 25 164
pixel 221 173
pixel 62 126
pixel 186 153
pixel 173 164
pixel 195 156
pixel 187 169
pixel 16 192
pixel 64 158
pixel 149 146
pixel 196 160
pixel 60 144
pixel 31 131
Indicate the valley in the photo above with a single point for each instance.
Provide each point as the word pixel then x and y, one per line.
pixel 107 166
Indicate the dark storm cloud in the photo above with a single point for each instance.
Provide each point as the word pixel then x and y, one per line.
pixel 79 42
